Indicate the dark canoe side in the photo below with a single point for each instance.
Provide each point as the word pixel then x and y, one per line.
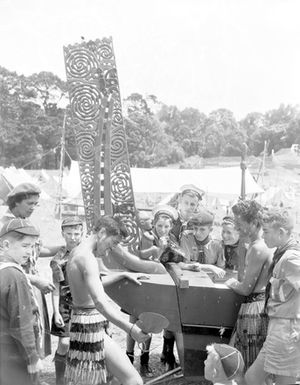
pixel 200 311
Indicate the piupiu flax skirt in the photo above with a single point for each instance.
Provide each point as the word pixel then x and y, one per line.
pixel 251 328
pixel 86 358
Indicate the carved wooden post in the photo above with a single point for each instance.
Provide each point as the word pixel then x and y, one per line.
pixel 96 118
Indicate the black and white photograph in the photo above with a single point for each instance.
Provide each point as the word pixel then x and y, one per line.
pixel 150 192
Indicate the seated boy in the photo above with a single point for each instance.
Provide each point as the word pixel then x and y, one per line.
pixel 72 231
pixel 224 365
pixel 198 245
pixel 19 353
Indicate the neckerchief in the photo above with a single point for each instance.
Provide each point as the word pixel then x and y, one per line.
pixel 291 244
pixel 229 253
pixel 200 247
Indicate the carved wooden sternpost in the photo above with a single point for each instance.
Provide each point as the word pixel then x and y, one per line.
pixel 96 118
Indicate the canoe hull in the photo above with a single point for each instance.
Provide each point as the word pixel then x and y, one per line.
pixel 200 313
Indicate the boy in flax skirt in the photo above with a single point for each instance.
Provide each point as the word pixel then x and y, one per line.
pixel 94 358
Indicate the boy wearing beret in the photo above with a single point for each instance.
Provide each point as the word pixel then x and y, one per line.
pixel 72 231
pixel 19 350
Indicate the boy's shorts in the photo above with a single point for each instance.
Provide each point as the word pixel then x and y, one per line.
pixel 281 350
pixel 65 311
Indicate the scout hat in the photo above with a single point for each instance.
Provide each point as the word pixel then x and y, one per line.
pixel 188 188
pixel 24 188
pixel 167 210
pixel 71 221
pixel 228 220
pixel 19 225
pixel 231 359
pixel 201 218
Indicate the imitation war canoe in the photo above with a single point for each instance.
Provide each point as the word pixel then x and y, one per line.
pixel 200 310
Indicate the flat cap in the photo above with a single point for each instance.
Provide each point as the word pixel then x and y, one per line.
pixel 71 221
pixel 21 226
pixel 201 218
pixel 24 188
pixel 165 210
pixel 188 188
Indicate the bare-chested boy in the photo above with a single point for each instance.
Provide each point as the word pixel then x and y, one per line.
pixel 93 356
pixel 251 327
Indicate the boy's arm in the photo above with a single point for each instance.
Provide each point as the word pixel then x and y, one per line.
pixel 134 263
pixel 49 251
pixel 153 251
pixel 55 298
pixel 89 270
pixel 115 277
pixel 19 309
pixel 42 284
pixel 252 273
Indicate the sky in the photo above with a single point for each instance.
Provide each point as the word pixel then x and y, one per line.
pixel 243 55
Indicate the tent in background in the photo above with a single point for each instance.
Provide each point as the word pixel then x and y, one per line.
pixel 11 177
pixel 220 182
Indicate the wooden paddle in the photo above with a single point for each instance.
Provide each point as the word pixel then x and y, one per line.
pixel 150 322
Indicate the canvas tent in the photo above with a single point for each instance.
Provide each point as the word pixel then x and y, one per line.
pixel 11 177
pixel 223 183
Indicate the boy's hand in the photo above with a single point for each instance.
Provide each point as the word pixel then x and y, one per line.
pixel 163 242
pixel 44 285
pixel 35 368
pixel 136 277
pixel 138 335
pixel 58 319
pixel 220 273
pixel 231 282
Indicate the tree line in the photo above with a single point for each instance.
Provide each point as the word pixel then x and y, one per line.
pixel 31 120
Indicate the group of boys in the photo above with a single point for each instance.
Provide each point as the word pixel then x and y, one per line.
pixel 86 354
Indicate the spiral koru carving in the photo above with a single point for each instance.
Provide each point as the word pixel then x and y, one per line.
pixel 118 142
pixel 117 118
pixel 120 184
pixel 86 149
pixel 81 63
pixel 131 228
pixel 85 101
pixel 106 50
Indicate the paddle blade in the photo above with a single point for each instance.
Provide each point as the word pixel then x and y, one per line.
pixel 151 322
